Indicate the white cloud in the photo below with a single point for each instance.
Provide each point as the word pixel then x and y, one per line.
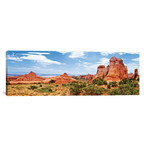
pixel 13 58
pixel 41 53
pixel 106 53
pixel 120 53
pixel 34 56
pixel 77 54
pixel 63 52
pixel 136 59
pixel 40 59
pixel 103 61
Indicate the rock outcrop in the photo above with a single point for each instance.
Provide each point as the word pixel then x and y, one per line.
pixel 25 79
pixel 62 79
pixel 87 77
pixel 134 76
pixel 115 71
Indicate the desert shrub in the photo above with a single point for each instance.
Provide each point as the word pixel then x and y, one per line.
pixel 124 81
pixel 105 82
pixel 52 81
pixel 124 89
pixel 32 87
pixel 82 85
pixel 75 90
pixel 113 92
pixel 113 84
pixel 45 89
pixel 7 83
pixel 138 79
pixel 134 84
pixel 127 89
pixel 91 90
pixel 99 81
pixel 40 85
pixel 64 85
pixel 120 82
pixel 56 85
pixel 108 86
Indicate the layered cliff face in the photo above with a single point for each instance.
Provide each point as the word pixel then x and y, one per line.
pixel 115 71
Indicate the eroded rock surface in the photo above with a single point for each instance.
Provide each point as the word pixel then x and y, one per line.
pixel 25 79
pixel 62 79
pixel 115 71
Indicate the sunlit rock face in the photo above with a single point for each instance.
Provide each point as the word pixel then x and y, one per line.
pixel 25 79
pixel 115 71
pixel 62 79
pixel 135 75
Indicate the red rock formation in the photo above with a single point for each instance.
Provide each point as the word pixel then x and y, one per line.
pixel 27 78
pixel 130 76
pixel 82 76
pixel 62 79
pixel 89 77
pixel 136 76
pixel 133 76
pixel 115 71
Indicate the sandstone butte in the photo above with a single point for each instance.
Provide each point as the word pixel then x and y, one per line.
pixel 25 79
pixel 62 79
pixel 115 71
pixel 32 78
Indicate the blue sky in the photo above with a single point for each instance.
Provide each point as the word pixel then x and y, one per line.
pixel 58 62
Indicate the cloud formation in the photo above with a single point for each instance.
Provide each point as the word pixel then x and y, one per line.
pixel 77 54
pixel 34 56
pixel 13 58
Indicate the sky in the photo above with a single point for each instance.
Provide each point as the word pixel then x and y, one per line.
pixel 59 62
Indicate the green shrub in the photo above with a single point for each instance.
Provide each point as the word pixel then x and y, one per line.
pixel 45 89
pixel 121 82
pixel 56 85
pixel 105 82
pixel 113 84
pixel 40 85
pixel 124 89
pixel 33 87
pixel 52 81
pixel 91 90
pixel 75 90
pixel 99 81
pixel 113 92
pixel 108 86
pixel 124 81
